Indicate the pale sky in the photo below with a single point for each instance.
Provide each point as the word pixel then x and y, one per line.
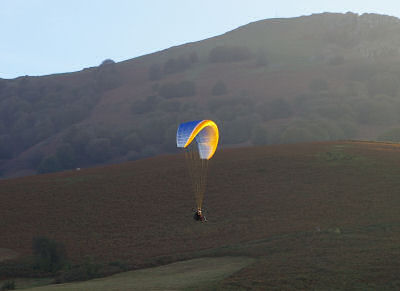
pixel 40 37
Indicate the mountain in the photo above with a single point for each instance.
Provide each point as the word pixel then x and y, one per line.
pixel 321 77
pixel 306 212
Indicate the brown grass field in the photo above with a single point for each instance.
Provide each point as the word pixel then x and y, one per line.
pixel 196 274
pixel 315 216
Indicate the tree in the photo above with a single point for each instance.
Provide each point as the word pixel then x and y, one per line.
pixel 219 88
pixel 50 256
pixel 229 54
pixel 78 138
pixel 66 156
pixel 107 77
pixel 383 83
pixel 392 135
pixel 99 150
pixel 149 151
pixel 318 84
pixel 155 72
pixel 238 130
pixel 275 109
pixel 193 57
pixel 297 134
pixel 107 62
pixel 43 129
pixel 170 106
pixel 261 58
pixel 49 164
pixel 3 85
pixel 132 142
pixel 260 136
pixel 376 112
pixel 6 147
pixel 133 156
pixel 172 66
pixel 336 60
pixel 186 89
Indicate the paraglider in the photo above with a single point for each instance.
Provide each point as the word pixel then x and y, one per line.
pixel 197 155
pixel 199 216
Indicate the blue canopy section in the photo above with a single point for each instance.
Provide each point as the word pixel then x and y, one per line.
pixel 185 131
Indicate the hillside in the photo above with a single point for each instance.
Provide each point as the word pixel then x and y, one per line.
pixel 311 78
pixel 314 211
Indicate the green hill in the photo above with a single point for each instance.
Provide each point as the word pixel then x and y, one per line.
pixel 311 78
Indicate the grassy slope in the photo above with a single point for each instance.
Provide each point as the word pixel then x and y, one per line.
pixel 315 215
pixel 188 275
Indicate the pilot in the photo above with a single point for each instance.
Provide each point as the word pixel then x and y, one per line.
pixel 198 216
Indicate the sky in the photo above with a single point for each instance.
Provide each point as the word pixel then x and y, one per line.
pixel 41 37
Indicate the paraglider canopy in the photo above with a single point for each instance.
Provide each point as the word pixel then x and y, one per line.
pixel 198 154
pixel 204 131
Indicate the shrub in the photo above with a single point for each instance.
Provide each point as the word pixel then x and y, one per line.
pixel 50 256
pixel 193 57
pixel 20 268
pixel 221 54
pixel 88 270
pixel 177 65
pixel 390 135
pixel 178 90
pixel 275 109
pixel 144 106
pixel 319 84
pixel 49 164
pixel 121 265
pixel 8 285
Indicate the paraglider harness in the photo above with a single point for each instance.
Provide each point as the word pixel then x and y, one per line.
pixel 199 216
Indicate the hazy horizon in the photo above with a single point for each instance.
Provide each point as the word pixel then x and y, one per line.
pixel 44 37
